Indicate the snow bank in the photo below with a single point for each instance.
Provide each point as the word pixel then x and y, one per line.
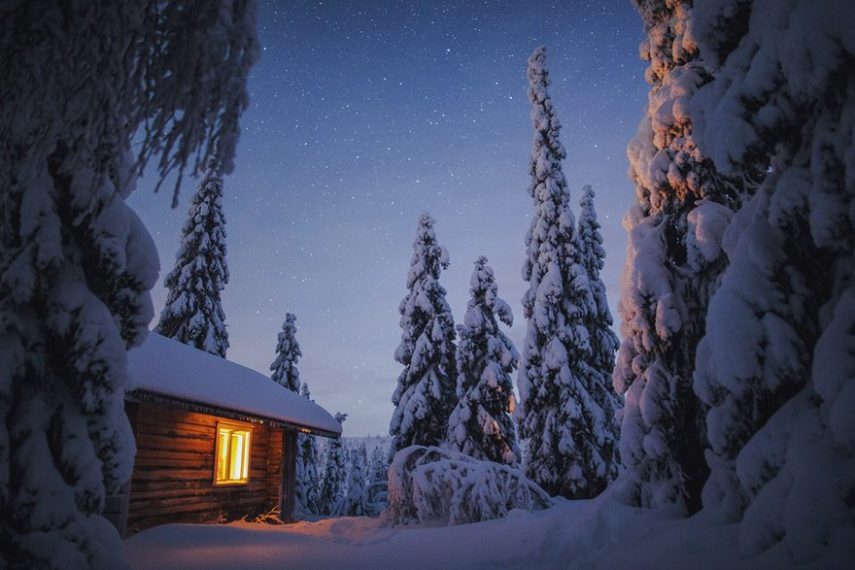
pixel 593 534
pixel 167 367
pixel 433 485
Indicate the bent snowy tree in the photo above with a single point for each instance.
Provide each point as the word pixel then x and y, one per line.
pixel 429 485
pixel 76 264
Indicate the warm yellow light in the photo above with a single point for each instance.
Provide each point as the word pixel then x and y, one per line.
pixel 233 445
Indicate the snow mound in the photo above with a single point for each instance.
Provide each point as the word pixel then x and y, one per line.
pixel 429 485
pixel 598 534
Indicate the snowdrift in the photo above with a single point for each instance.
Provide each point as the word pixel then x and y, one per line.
pixel 429 485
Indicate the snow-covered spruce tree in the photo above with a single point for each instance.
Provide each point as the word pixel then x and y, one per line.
pixel 284 371
pixel 777 364
pixel 481 425
pixel 424 395
pixel 568 432
pixel 377 489
pixel 363 455
pixel 284 367
pixel 378 464
pixel 76 264
pixel 193 313
pixel 354 502
pixel 307 487
pixel 673 264
pixel 334 483
pixel 604 341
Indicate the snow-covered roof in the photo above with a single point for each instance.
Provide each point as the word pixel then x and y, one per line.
pixel 169 368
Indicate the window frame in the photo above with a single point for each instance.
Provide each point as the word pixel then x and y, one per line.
pixel 233 426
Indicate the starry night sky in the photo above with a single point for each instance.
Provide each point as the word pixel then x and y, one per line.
pixel 365 113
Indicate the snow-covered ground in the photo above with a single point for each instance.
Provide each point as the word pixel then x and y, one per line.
pixel 578 534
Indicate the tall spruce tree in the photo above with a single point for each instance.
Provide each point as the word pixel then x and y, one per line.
pixel 564 424
pixel 424 395
pixel 332 497
pixel 777 364
pixel 481 425
pixel 285 372
pixel 284 367
pixel 193 313
pixel 604 342
pixel 76 263
pixel 673 263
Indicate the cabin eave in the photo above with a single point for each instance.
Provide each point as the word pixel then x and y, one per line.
pixel 141 395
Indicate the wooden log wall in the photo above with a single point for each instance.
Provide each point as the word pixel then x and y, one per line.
pixel 173 478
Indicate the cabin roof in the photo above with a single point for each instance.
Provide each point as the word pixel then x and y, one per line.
pixel 165 367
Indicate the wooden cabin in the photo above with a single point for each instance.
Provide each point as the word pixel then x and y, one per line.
pixel 215 441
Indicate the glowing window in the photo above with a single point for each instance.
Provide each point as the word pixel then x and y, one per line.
pixel 233 442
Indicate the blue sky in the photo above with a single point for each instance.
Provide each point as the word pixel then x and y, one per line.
pixel 364 114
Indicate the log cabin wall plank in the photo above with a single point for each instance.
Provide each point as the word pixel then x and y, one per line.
pixel 173 479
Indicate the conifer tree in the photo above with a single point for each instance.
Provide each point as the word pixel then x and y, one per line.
pixel 76 263
pixel 777 364
pixel 378 465
pixel 193 313
pixel 424 395
pixel 363 456
pixel 565 426
pixel 285 372
pixel 481 425
pixel 284 367
pixel 377 489
pixel 673 263
pixel 604 341
pixel 354 504
pixel 332 498
pixel 307 488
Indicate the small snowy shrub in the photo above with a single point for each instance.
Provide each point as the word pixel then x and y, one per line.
pixel 433 485
pixel 273 516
